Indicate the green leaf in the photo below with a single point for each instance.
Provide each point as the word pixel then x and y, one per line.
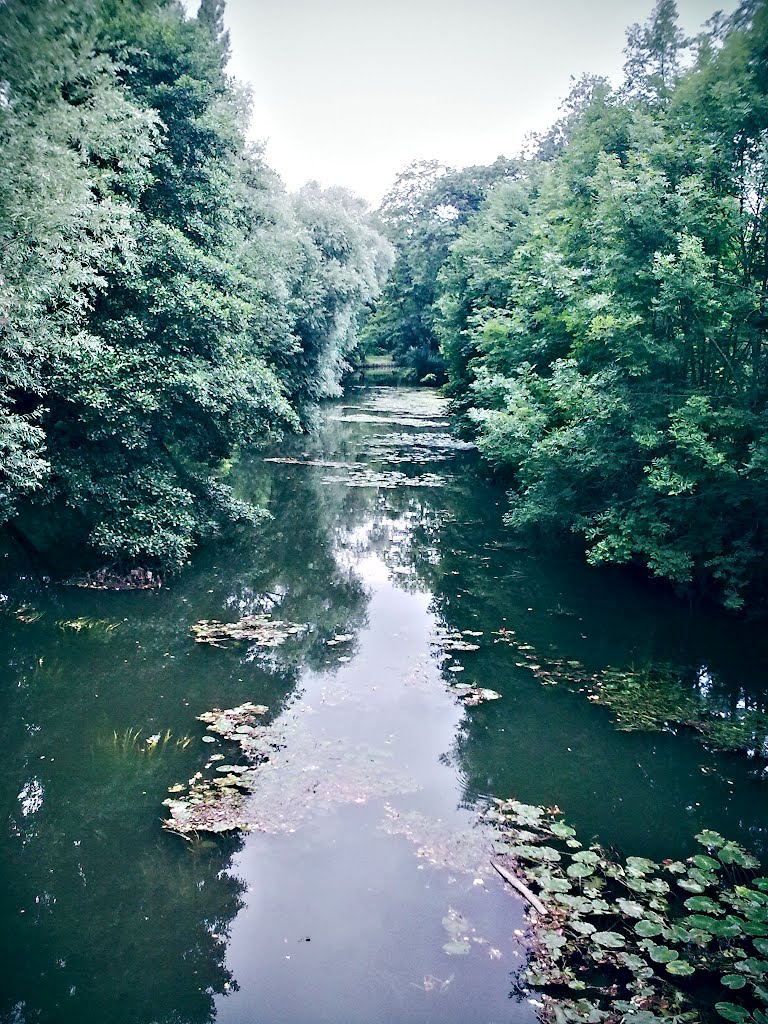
pixel 648 928
pixel 709 838
pixel 641 865
pixel 733 980
pixel 633 962
pixel 703 903
pixel 761 945
pixel 582 927
pixel 676 867
pixel 561 830
pixel 706 863
pixel 611 940
pixel 631 908
pixel 579 870
pixel 662 954
pixel 553 884
pixel 732 1012
pixel 681 967
pixel 690 886
pixel 586 857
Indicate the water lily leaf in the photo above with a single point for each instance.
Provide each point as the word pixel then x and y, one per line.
pixel 579 870
pixel 561 830
pixel 675 866
pixel 676 933
pixel 554 941
pixel 631 908
pixel 732 853
pixel 761 884
pixel 546 853
pixel 611 940
pixel 586 857
pixel 582 927
pixel 709 838
pixel 722 929
pixel 761 945
pixel 732 1012
pixel 753 966
pixel 705 863
pixel 658 885
pixel 699 937
pixel 689 885
pixel 681 967
pixel 641 865
pixel 754 928
pixel 633 962
pixel 579 904
pixel 552 883
pixel 527 814
pixel 636 883
pixel 648 928
pixel 662 954
pixel 703 903
pixel 733 980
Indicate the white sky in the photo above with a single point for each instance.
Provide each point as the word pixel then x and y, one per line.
pixel 350 91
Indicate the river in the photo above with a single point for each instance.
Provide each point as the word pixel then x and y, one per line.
pixel 364 894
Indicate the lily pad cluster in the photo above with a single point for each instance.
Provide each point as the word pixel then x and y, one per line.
pixel 636 941
pixel 651 698
pixel 453 640
pixel 259 630
pixel 217 804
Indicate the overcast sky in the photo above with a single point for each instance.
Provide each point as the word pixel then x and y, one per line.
pixel 350 91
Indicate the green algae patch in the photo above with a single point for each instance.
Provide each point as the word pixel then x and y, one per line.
pixel 632 941
pixel 653 698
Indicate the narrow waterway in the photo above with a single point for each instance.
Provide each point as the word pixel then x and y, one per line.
pixel 364 893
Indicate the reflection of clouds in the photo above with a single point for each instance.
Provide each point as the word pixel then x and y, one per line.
pixel 249 602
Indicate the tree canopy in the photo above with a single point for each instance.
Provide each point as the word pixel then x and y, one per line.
pixel 163 299
pixel 602 312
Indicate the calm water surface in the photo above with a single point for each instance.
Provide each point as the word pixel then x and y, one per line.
pixel 339 910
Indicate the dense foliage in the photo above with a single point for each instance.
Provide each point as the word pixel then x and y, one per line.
pixel 163 300
pixel 603 314
pixel 422 215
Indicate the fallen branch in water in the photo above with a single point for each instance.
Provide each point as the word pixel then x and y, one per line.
pixel 521 887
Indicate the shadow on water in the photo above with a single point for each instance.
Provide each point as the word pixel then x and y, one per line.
pixel 384 530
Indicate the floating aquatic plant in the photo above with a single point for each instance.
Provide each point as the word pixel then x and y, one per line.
pixel 651 697
pixel 132 740
pixel 636 941
pixel 84 623
pixel 27 614
pixel 259 630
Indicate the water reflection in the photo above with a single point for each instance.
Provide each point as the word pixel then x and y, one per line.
pixel 105 917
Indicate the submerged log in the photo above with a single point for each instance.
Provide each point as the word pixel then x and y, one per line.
pixel 521 887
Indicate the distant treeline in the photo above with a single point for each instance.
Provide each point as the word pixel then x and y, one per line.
pixel 599 307
pixel 162 300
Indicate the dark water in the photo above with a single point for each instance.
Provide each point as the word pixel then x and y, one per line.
pixel 340 910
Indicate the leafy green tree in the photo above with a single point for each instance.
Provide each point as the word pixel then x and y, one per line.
pixel 603 320
pixel 164 301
